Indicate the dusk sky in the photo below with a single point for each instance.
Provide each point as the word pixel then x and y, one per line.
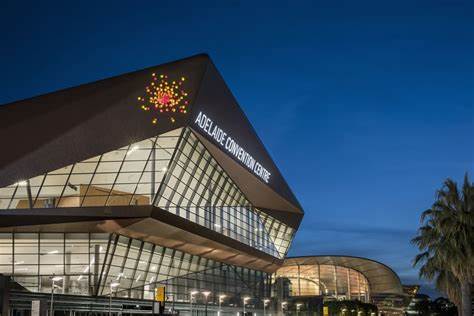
pixel 366 107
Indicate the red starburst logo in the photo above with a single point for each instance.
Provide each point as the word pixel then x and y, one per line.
pixel 164 97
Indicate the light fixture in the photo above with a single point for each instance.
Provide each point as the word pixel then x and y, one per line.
pixel 206 293
pixel 114 284
pixel 194 292
pixel 57 278
pixel 21 183
pixel 164 169
pixel 133 149
pixel 52 252
pixel 163 95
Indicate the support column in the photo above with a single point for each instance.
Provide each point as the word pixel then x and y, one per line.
pixel 153 167
pixel 67 272
pixel 367 291
pixel 28 191
pixel 319 280
pixel 349 283
pixel 358 286
pixel 335 281
pixel 299 281
pixel 4 295
pixel 96 265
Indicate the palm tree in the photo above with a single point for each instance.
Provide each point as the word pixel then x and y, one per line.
pixel 446 242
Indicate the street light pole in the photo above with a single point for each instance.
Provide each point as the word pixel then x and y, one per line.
pixel 298 308
pixel 52 299
pixel 265 301
pixel 206 294
pixel 51 312
pixel 112 285
pixel 191 302
pixel 283 304
pixel 245 299
pixel 221 298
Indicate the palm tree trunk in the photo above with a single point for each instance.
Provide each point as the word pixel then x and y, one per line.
pixel 466 300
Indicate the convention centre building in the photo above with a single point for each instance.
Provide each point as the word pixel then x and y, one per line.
pixel 339 278
pixel 150 179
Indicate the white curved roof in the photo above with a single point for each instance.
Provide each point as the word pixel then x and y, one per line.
pixel 381 278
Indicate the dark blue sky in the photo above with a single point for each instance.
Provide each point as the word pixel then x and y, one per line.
pixel 365 106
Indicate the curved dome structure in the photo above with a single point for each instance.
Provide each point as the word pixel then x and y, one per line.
pixel 339 277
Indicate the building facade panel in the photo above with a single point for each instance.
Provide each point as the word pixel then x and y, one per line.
pixel 325 280
pixel 104 264
pixel 130 175
pixel 129 197
pixel 197 188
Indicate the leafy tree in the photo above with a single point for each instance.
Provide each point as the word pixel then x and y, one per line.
pixel 446 242
pixel 442 306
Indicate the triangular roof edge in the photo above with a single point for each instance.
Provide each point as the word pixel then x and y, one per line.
pixel 213 93
pixel 55 129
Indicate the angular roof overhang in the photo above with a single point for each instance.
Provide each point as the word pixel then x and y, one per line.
pixel 54 130
pixel 382 279
pixel 262 196
pixel 147 223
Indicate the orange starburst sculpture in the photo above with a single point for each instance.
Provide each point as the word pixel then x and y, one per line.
pixel 164 96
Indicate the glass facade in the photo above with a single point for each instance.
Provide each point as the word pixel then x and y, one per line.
pixel 324 279
pixel 130 175
pixel 174 172
pixel 195 187
pixel 198 189
pixel 88 264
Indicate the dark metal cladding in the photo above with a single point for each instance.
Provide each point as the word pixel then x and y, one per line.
pixel 51 131
pixel 217 101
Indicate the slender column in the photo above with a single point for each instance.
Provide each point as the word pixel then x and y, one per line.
pixel 299 281
pixel 4 295
pixel 358 286
pixel 319 279
pixel 28 190
pixel 67 270
pixel 335 281
pixel 367 291
pixel 349 283
pixel 96 264
pixel 153 167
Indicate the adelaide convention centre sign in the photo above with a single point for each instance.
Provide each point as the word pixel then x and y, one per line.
pixel 231 146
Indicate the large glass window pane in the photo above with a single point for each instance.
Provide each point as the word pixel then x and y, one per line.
pixel 122 166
